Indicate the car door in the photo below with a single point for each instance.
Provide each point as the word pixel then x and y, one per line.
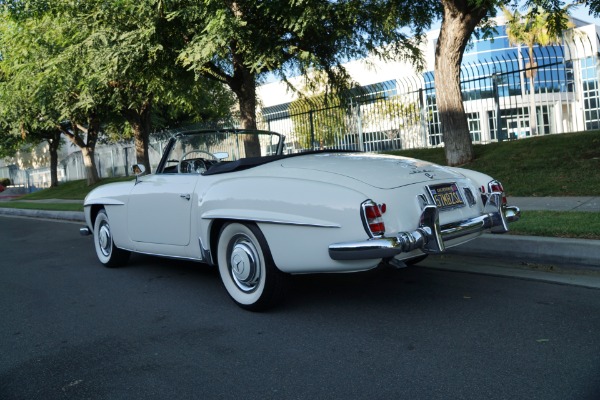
pixel 160 208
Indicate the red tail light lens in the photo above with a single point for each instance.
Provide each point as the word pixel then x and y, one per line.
pixel 495 186
pixel 371 213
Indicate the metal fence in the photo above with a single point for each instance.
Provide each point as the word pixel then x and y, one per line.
pixel 560 91
pixel 111 161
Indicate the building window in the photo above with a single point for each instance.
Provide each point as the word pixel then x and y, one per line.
pixel 591 103
pixel 474 126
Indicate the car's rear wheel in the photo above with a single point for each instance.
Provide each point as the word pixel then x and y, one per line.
pixel 247 268
pixel 108 254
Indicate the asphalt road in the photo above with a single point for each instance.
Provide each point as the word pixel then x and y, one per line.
pixel 158 329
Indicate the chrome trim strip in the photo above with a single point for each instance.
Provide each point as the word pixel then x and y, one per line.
pixel 164 255
pixel 103 201
pixel 271 221
pixel 429 236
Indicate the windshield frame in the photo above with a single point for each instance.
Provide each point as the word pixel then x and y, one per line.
pixel 236 154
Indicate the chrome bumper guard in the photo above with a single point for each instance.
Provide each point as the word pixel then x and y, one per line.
pixel 429 236
pixel 85 231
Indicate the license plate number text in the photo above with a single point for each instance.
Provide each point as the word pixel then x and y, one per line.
pixel 446 196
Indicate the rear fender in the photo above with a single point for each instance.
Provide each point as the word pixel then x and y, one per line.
pixel 478 178
pixel 299 218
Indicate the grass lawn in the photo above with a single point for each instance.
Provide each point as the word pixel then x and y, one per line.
pixel 73 190
pixel 552 165
pixel 571 224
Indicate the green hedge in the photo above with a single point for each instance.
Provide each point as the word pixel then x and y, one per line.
pixel 5 182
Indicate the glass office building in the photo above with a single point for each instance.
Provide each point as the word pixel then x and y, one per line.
pixel 501 87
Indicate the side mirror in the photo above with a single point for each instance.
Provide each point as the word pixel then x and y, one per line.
pixel 138 169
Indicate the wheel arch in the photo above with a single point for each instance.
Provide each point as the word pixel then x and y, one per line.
pixel 94 210
pixel 215 230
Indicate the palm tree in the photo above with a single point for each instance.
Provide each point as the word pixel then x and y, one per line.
pixel 536 27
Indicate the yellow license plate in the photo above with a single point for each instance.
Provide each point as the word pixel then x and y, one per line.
pixel 446 196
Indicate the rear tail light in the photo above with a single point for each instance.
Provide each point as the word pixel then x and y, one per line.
pixel 495 186
pixel 372 218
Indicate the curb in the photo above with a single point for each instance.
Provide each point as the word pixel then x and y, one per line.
pixel 76 216
pixel 536 249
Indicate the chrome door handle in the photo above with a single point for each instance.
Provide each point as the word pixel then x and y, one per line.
pixel 185 196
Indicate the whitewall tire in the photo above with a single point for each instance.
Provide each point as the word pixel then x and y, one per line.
pixel 108 254
pixel 247 268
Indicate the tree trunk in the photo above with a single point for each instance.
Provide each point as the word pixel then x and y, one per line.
pixel 458 24
pixel 532 110
pixel 91 172
pixel 141 124
pixel 245 89
pixel 53 145
pixel 89 151
pixel 87 147
pixel 243 84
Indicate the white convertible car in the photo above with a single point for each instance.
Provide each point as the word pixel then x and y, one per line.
pixel 262 217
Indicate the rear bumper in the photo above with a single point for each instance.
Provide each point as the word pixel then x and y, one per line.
pixel 429 236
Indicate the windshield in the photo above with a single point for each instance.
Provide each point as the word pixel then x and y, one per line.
pixel 197 152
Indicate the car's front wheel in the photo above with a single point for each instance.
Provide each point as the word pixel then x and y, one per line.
pixel 108 254
pixel 247 268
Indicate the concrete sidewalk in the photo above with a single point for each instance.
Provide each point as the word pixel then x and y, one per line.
pixel 528 249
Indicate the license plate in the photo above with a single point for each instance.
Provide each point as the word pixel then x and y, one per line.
pixel 446 196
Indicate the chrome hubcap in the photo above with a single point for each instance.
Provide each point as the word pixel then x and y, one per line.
pixel 104 239
pixel 244 264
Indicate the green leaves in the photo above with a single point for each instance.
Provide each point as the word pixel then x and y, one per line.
pixel 538 26
pixel 294 35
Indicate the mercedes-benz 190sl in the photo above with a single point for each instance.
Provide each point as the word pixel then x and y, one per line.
pixel 233 199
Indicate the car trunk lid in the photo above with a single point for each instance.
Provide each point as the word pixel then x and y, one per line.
pixel 381 171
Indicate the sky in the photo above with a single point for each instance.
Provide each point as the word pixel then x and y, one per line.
pixel 583 14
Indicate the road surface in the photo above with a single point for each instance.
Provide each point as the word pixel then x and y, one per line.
pixel 158 329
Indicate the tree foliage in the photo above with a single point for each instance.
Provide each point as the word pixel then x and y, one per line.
pixel 236 42
pixel 86 67
pixel 49 81
pixel 134 49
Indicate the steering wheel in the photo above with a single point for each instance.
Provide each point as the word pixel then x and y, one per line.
pixel 197 166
